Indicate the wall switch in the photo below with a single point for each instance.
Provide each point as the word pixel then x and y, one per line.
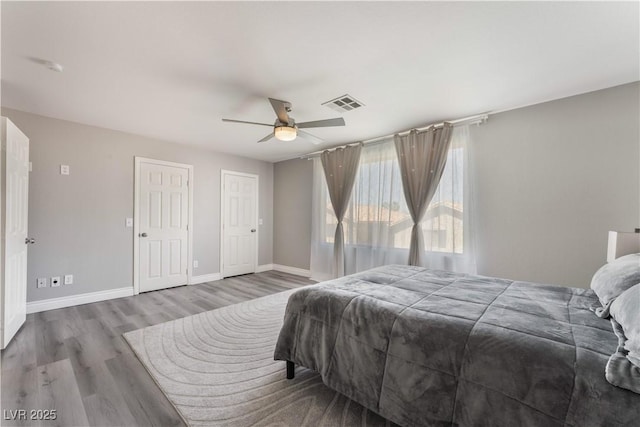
pixel 260 221
pixel 68 279
pixel 195 263
pixel 55 281
pixel 42 282
pixel 64 169
pixel 128 222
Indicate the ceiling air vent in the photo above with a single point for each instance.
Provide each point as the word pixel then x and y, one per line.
pixel 343 103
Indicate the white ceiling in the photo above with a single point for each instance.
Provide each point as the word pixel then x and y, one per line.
pixel 172 70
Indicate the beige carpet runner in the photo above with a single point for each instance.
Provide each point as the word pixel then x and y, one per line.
pixel 217 369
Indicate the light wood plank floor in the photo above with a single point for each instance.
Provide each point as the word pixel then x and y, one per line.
pixel 75 360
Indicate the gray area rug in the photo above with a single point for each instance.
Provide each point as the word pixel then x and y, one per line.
pixel 217 369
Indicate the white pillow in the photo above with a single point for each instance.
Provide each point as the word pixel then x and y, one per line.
pixel 612 279
pixel 626 311
pixel 623 368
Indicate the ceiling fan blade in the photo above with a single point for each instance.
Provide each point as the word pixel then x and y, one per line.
pixel 311 138
pixel 266 138
pixel 280 109
pixel 321 123
pixel 248 123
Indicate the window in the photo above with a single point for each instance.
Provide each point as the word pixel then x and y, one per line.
pixel 377 225
pixel 378 214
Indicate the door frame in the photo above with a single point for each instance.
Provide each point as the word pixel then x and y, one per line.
pixel 223 174
pixel 136 218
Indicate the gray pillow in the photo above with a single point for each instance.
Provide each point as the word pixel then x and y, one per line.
pixel 623 368
pixel 614 278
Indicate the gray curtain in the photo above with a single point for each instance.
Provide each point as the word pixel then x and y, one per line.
pixel 422 157
pixel 340 168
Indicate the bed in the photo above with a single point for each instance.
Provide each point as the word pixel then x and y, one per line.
pixel 434 348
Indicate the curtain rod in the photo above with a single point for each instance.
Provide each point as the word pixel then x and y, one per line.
pixel 478 119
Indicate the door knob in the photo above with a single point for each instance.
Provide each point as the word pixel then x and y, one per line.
pixel 29 240
pixel 253 230
pixel 142 235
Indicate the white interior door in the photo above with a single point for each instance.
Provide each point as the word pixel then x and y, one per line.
pixel 239 223
pixel 163 221
pixel 15 147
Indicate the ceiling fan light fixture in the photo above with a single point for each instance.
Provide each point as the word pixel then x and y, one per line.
pixel 285 133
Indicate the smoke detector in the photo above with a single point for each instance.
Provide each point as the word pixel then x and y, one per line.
pixel 343 103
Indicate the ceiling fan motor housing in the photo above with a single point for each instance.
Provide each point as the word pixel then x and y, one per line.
pixel 291 123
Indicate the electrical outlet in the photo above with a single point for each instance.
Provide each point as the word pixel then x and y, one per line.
pixel 42 282
pixel 195 263
pixel 55 281
pixel 64 169
pixel 68 279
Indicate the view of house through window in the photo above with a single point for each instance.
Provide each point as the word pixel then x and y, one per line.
pixel 378 214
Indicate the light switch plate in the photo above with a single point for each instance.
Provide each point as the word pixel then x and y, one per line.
pixel 64 169
pixel 128 222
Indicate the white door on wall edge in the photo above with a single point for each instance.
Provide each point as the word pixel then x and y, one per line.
pixel 239 223
pixel 15 161
pixel 162 219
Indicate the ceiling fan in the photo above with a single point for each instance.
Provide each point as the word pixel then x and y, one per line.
pixel 285 127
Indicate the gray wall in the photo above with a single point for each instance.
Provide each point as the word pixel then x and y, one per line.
pixel 550 181
pixel 292 182
pixel 79 220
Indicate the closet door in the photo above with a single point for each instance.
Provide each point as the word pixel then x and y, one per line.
pixel 15 162
pixel 162 224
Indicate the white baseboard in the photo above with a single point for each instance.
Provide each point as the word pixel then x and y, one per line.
pixel 292 270
pixel 264 267
pixel 62 302
pixel 204 278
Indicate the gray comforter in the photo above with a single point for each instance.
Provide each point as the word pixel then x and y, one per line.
pixel 431 348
